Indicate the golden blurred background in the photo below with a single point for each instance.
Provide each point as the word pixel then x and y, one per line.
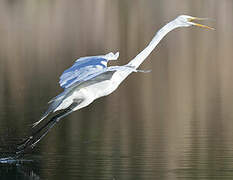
pixel 176 121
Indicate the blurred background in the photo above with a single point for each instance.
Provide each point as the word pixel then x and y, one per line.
pixel 173 123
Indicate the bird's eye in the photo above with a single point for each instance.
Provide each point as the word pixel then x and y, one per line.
pixel 190 19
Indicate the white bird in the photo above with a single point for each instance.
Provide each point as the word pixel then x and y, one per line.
pixel 90 78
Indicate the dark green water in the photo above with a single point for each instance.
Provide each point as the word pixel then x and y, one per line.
pixel 173 123
pixel 93 145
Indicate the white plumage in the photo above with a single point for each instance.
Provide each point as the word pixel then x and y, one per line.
pixel 90 78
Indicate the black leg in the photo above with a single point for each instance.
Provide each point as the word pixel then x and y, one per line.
pixel 36 137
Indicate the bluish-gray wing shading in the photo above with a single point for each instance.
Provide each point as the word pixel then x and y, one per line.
pixel 85 68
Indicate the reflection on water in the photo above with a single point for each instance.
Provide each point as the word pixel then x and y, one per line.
pixel 173 123
pixel 19 171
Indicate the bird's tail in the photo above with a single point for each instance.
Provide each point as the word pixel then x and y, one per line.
pixel 54 103
pixel 42 118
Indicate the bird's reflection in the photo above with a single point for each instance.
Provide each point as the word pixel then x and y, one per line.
pixel 20 169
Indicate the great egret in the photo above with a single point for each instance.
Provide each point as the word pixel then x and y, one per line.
pixel 90 78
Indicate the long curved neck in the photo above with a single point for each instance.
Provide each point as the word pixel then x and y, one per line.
pixel 154 42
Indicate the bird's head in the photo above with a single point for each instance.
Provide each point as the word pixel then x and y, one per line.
pixel 186 21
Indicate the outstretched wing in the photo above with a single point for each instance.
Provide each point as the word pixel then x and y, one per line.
pixel 85 68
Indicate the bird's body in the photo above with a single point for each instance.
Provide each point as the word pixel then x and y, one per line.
pixel 101 85
pixel 85 92
pixel 90 78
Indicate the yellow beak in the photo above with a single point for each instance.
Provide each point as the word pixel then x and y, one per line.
pixel 199 25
